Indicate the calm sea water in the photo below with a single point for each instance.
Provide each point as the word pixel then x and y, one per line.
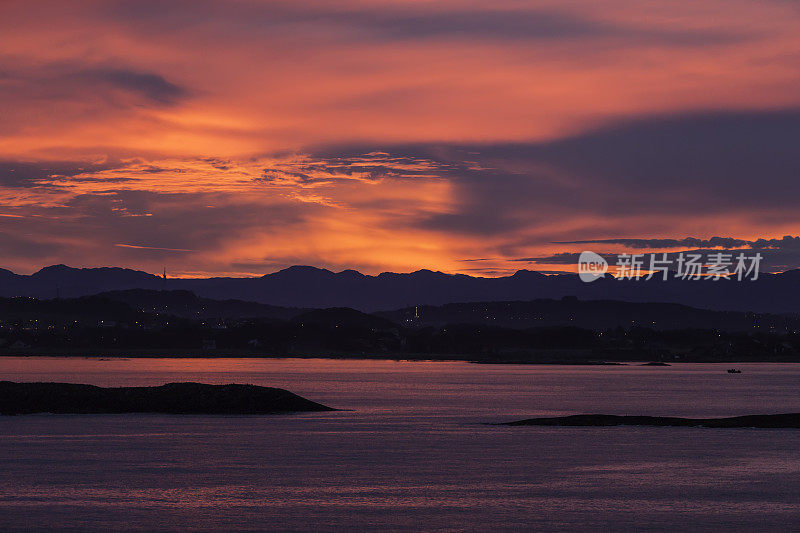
pixel 410 453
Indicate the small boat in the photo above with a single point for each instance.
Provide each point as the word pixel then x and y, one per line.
pixel 734 371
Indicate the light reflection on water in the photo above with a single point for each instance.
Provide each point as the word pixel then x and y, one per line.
pixel 410 453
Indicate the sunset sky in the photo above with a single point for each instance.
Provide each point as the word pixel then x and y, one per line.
pixel 241 137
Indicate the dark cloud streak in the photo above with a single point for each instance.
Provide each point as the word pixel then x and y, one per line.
pixel 387 23
pixel 148 85
pixel 787 242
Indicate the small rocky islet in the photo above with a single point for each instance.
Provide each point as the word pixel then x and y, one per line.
pixel 785 420
pixel 171 398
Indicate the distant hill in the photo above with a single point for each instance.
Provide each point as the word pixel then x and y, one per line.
pixel 67 282
pixel 309 287
pixel 169 323
pixel 593 314
pixel 343 317
pixel 598 315
pixel 186 304
pixel 131 304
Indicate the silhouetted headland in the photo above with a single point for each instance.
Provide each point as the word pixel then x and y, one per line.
pixel 787 420
pixel 172 398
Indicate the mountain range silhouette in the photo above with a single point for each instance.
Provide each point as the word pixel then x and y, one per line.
pixel 310 287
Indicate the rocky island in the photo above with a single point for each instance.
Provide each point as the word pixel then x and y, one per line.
pixel 787 420
pixel 172 398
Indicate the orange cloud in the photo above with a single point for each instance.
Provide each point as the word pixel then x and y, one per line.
pixel 252 134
